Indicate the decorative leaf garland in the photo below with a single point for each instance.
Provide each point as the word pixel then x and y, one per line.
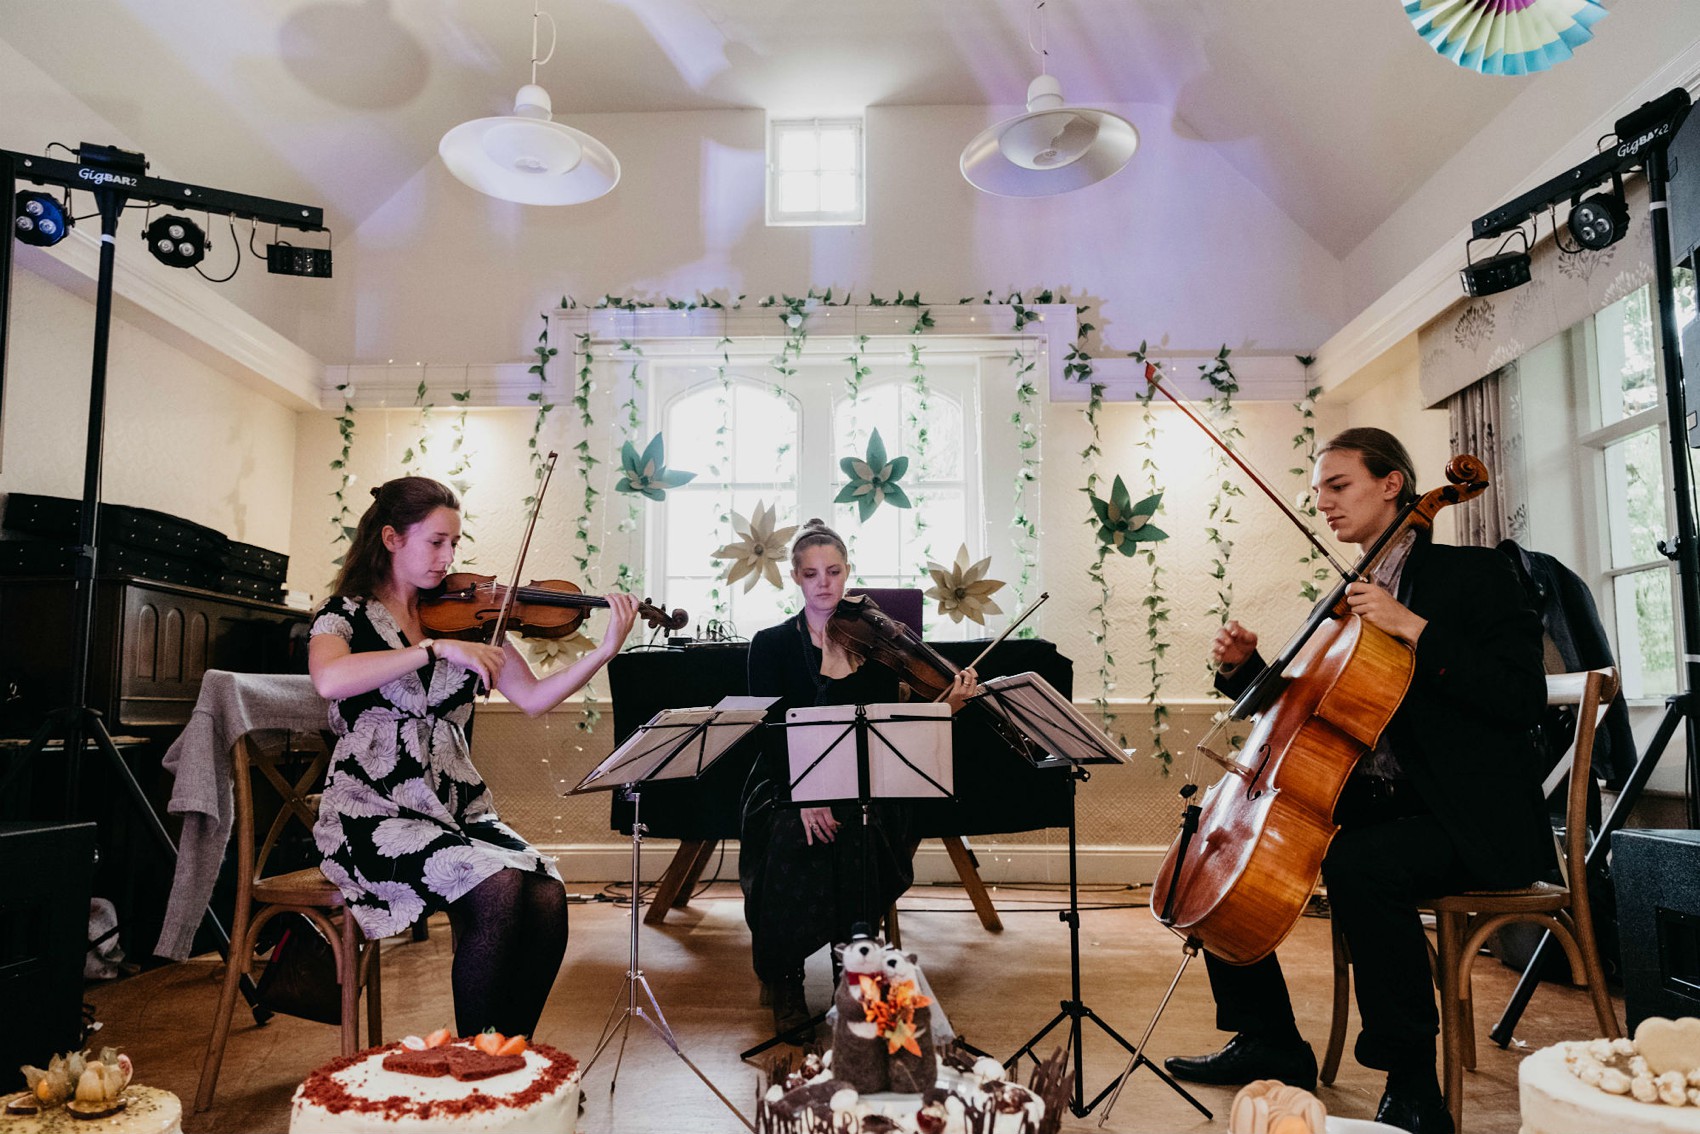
pixel 345 429
pixel 1077 367
pixel 722 464
pixel 1315 573
pixel 919 440
pixel 1219 407
pixel 423 444
pixel 1156 603
pixel 583 458
pixel 460 461
pixel 544 353
pixel 1027 444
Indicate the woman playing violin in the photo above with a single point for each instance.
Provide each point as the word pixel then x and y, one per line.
pixel 406 825
pixel 802 869
pixel 1448 800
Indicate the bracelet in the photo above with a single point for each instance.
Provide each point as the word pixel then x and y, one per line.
pixel 430 651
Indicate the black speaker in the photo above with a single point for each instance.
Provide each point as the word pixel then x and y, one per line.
pixel 1684 190
pixel 1658 921
pixel 48 870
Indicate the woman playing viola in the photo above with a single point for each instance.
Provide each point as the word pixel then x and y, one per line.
pixel 802 869
pixel 406 825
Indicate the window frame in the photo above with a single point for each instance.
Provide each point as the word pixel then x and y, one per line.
pixel 778 218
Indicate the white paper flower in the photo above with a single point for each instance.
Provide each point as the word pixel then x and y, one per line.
pixel 759 549
pixel 962 589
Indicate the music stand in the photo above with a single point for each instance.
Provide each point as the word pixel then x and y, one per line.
pixel 1055 735
pixel 676 744
pixel 859 754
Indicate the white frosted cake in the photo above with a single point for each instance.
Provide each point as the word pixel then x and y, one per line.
pixel 1588 1087
pixel 400 1089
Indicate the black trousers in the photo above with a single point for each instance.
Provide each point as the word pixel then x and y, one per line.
pixel 1389 853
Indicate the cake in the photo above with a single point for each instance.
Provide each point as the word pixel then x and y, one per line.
pixel 971 1096
pixel 147 1110
pixel 454 1085
pixel 1648 1086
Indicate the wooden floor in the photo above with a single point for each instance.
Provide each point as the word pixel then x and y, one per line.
pixel 998 990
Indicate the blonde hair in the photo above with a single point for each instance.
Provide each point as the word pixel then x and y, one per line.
pixel 815 533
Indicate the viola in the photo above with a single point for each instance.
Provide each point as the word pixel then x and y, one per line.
pixel 469 606
pixel 863 629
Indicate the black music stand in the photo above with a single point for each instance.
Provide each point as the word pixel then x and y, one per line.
pixel 677 744
pixel 859 754
pixel 1055 735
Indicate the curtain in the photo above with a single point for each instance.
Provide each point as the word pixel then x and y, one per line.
pixel 1486 423
pixel 1478 336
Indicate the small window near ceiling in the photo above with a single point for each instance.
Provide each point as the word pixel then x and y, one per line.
pixel 814 172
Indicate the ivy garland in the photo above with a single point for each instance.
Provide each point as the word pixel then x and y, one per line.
pixel 544 353
pixel 1027 444
pixel 1156 603
pixel 920 440
pixel 460 463
pixel 1310 587
pixel 722 462
pixel 1219 407
pixel 345 429
pixel 423 444
pixel 583 458
pixel 1077 367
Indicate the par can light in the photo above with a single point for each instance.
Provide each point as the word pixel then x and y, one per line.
pixel 40 220
pixel 176 242
pixel 1600 221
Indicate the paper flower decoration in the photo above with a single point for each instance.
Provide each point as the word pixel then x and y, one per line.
pixel 649 474
pixel 1124 524
pixel 873 481
pixel 758 550
pixel 963 591
pixel 1505 37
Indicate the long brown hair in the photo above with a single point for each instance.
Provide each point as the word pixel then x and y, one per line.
pixel 399 504
pixel 1382 453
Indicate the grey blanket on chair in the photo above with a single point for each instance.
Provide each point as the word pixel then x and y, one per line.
pixel 230 705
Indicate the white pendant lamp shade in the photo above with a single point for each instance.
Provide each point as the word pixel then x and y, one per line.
pixel 1051 149
pixel 529 158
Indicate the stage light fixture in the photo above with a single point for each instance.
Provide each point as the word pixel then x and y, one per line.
pixel 41 220
pixel 176 242
pixel 1600 221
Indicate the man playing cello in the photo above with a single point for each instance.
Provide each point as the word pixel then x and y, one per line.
pixel 1448 800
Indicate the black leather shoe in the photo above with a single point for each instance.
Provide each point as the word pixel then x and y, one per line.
pixel 1247 1057
pixel 791 1016
pixel 1420 1112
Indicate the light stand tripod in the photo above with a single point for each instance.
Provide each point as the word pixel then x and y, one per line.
pixel 620 1019
pixel 1649 132
pixel 116 177
pixel 675 744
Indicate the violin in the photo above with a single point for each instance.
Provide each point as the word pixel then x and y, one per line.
pixel 863 629
pixel 468 607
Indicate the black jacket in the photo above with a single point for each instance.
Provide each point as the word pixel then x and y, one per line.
pixel 1465 732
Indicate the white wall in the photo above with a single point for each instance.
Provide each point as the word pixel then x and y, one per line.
pixel 180 437
pixel 442 274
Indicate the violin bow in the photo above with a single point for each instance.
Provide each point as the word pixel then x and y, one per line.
pixel 524 549
pixel 1043 595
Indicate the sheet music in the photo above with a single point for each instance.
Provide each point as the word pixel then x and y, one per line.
pixel 1048 719
pixel 677 744
pixel 907 758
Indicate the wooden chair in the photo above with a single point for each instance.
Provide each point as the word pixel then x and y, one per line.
pixel 1464 922
pixel 259 898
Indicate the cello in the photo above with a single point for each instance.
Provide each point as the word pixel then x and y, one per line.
pixel 1238 876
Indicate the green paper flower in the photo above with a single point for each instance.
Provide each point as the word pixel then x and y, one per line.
pixel 649 474
pixel 873 481
pixel 1124 524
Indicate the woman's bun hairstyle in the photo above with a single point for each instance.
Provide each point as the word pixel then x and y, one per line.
pixel 815 533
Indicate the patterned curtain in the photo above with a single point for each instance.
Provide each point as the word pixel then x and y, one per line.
pixel 1486 422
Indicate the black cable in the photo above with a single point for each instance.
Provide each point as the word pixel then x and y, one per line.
pixel 235 267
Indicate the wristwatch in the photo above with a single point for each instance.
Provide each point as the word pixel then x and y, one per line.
pixel 430 650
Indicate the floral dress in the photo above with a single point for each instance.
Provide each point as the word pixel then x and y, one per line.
pixel 406 824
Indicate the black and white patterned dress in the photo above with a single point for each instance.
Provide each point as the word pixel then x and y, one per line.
pixel 406 824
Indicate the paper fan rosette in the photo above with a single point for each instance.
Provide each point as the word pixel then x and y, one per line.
pixel 758 550
pixel 1124 525
pixel 962 588
pixel 1505 37
pixel 873 481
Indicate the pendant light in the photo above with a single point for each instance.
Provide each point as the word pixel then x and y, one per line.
pixel 527 157
pixel 1053 148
